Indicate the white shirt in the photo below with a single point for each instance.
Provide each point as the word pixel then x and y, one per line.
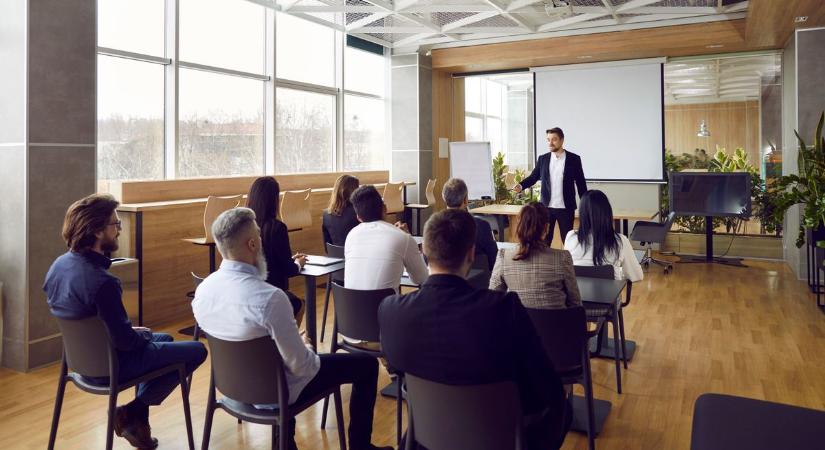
pixel 377 253
pixel 235 304
pixel 556 180
pixel 625 265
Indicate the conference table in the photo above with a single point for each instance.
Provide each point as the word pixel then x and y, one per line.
pixel 502 212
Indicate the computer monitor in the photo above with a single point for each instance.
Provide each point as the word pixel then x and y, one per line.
pixel 710 193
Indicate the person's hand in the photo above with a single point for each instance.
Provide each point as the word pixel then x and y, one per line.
pixel 402 226
pixel 306 340
pixel 142 329
pixel 300 258
pixel 517 188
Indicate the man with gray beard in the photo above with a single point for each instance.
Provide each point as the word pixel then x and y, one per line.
pixel 235 303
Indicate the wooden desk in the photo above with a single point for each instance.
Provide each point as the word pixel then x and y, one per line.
pixel 620 218
pixel 311 274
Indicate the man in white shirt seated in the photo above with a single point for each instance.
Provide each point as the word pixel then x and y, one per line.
pixel 376 251
pixel 236 304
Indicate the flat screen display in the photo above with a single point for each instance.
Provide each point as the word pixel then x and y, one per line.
pixel 710 194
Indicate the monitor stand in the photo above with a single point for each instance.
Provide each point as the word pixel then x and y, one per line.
pixel 709 258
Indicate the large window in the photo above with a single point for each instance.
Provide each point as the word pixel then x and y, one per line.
pixel 499 109
pixel 230 102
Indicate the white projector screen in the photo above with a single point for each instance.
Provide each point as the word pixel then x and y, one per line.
pixel 611 115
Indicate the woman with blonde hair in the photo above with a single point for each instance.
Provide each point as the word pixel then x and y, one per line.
pixel 543 277
pixel 339 217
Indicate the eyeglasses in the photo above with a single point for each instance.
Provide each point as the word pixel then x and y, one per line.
pixel 118 224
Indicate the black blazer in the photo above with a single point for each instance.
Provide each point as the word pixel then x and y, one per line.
pixel 485 245
pixel 573 173
pixel 452 333
pixel 336 228
pixel 275 240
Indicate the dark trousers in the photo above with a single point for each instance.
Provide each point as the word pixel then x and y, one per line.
pixel 160 352
pixel 349 368
pixel 565 219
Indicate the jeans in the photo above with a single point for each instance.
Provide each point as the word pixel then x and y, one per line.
pixel 161 351
pixel 349 368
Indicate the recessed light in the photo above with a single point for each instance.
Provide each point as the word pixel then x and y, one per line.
pixel 800 19
pixel 714 46
pixel 584 57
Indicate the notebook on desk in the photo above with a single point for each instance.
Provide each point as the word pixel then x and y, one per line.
pixel 317 260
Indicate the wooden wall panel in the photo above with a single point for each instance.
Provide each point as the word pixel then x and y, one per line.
pixel 771 22
pixel 731 125
pixel 162 190
pixel 448 122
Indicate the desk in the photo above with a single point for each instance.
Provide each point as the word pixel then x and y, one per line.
pixel 310 274
pixel 501 245
pixel 500 212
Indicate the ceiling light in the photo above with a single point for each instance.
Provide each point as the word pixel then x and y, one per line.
pixel 714 46
pixel 558 8
pixel 800 19
pixel 584 57
pixel 703 130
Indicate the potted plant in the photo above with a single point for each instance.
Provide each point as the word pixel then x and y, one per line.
pixel 806 187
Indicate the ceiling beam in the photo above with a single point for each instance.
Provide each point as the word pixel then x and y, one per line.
pixel 634 4
pixel 503 11
pixel 568 21
pixel 610 9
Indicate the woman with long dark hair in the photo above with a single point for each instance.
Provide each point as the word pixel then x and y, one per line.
pixel 339 217
pixel 542 276
pixel 596 243
pixel 264 199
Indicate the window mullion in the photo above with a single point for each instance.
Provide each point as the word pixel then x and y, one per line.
pixel 171 73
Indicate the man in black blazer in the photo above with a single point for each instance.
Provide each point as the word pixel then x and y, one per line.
pixel 558 171
pixel 452 333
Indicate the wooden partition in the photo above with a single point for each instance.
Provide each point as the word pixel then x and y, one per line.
pixel 173 209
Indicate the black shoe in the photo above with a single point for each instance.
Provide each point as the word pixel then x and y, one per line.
pixel 138 434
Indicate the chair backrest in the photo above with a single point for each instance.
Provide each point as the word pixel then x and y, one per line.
pixel 249 371
pixel 356 312
pixel 392 197
pixel 430 192
pixel 336 251
pixel 294 209
pixel 563 332
pixel 606 272
pixel 474 417
pixel 214 207
pixel 669 221
pixel 87 346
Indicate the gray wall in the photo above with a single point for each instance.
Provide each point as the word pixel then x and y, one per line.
pixel 47 158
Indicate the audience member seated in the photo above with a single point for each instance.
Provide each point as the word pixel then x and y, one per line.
pixel 543 277
pixel 339 217
pixel 236 304
pixel 596 243
pixel 376 251
pixel 264 198
pixel 452 333
pixel 455 196
pixel 78 285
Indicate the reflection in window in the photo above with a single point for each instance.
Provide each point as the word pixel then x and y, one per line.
pixel 221 125
pixel 364 125
pixel 304 131
pixel 129 119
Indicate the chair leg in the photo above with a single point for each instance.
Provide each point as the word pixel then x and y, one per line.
pixel 339 418
pixel 58 404
pixel 616 347
pixel 588 394
pixel 326 306
pixel 624 341
pixel 398 406
pixel 196 335
pixel 110 423
pixel 324 413
pixel 207 422
pixel 184 392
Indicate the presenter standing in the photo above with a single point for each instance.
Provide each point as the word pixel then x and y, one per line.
pixel 558 170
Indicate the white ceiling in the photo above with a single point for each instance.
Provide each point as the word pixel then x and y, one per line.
pixel 403 24
pixel 719 79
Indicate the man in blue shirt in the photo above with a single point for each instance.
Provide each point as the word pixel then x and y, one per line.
pixel 78 285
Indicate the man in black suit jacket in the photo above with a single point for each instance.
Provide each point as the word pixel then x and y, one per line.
pixel 455 195
pixel 452 333
pixel 558 171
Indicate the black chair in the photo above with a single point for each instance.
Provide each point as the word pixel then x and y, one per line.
pixel 722 422
pixel 612 312
pixel 646 232
pixel 252 372
pixel 333 251
pixel 356 317
pixel 475 417
pixel 88 350
pixel 480 272
pixel 564 335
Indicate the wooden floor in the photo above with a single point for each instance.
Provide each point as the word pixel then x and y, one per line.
pixel 753 332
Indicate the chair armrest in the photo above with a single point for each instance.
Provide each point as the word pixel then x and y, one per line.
pixel 627 294
pixel 599 324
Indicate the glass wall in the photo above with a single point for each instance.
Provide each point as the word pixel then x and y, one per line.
pixel 208 111
pixel 499 109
